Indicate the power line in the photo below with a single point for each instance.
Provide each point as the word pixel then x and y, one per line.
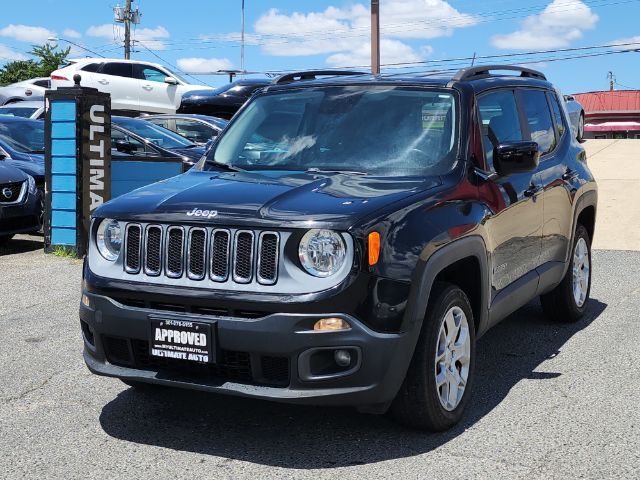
pixel 169 64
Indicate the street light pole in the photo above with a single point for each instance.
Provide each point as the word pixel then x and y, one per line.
pixel 375 37
pixel 242 42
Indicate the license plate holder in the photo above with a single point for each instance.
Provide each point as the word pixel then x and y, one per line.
pixel 183 340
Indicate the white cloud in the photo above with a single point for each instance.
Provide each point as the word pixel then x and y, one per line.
pixel 634 41
pixel 8 54
pixel 203 65
pixel 149 37
pixel 557 25
pixel 71 33
pixel 27 33
pixel 344 33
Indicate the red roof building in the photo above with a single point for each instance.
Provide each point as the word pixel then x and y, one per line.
pixel 611 114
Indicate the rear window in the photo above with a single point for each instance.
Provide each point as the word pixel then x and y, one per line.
pixel 91 67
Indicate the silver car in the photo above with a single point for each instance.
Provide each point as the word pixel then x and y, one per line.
pixel 33 109
pixel 32 89
pixel 576 116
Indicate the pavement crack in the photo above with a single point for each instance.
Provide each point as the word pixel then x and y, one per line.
pixel 29 391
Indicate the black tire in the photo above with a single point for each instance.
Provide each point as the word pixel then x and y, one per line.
pixel 417 404
pixel 5 238
pixel 560 304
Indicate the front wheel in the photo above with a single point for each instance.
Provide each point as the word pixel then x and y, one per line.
pixel 438 383
pixel 568 301
pixel 5 238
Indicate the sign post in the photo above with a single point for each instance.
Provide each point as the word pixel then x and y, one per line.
pixel 77 163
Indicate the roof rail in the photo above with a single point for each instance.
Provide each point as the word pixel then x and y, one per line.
pixel 312 75
pixel 482 71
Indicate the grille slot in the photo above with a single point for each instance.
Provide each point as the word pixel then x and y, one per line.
pixel 202 254
pixel 132 249
pixel 243 257
pixel 268 258
pixel 220 242
pixel 197 253
pixel 174 249
pixel 153 251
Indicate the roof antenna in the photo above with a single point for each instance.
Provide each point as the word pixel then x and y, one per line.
pixel 473 60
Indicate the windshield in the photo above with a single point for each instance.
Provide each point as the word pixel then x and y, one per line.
pixel 158 135
pixel 24 112
pixel 380 130
pixel 26 136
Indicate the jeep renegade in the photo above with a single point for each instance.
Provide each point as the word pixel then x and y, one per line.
pixel 346 241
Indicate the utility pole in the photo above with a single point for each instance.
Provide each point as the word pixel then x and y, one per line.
pixel 127 16
pixel 242 43
pixel 127 29
pixel 612 79
pixel 375 37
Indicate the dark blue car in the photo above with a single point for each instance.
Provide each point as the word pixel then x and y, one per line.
pixel 20 203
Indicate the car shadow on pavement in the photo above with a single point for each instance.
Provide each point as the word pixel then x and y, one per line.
pixel 22 244
pixel 291 436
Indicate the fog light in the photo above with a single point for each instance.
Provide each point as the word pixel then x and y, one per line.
pixel 86 301
pixel 342 358
pixel 331 324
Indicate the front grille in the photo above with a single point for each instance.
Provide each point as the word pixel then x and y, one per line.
pixel 202 254
pixel 10 192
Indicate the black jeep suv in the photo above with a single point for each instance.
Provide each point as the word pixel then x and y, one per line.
pixel 346 241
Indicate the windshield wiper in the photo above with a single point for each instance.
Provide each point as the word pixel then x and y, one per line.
pixel 348 172
pixel 35 151
pixel 224 166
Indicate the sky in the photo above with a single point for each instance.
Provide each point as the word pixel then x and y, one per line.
pixel 203 36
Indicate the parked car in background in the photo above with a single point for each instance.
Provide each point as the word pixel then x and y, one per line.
pixel 133 136
pixel 26 90
pixel 576 116
pixel 20 203
pixel 197 128
pixel 134 86
pixel 33 109
pixel 222 102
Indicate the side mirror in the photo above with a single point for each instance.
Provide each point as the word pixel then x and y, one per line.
pixel 515 157
pixel 124 146
pixel 170 80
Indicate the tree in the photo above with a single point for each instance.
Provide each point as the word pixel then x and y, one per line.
pixel 47 59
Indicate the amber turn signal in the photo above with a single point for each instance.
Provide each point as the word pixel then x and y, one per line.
pixel 331 324
pixel 374 248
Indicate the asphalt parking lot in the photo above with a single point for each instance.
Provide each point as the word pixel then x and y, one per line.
pixel 551 401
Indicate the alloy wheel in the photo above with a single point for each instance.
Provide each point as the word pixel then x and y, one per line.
pixel 581 268
pixel 453 358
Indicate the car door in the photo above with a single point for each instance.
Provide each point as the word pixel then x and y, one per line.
pixel 155 94
pixel 559 182
pixel 514 230
pixel 117 78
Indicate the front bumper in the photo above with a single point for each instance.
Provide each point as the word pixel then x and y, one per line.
pixel 22 217
pixel 264 357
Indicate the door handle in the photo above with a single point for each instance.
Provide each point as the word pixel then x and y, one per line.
pixel 147 87
pixel 103 81
pixel 532 190
pixel 569 175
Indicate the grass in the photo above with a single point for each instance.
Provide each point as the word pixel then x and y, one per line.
pixel 62 251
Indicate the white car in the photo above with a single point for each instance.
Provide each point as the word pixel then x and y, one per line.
pixel 32 89
pixel 33 109
pixel 134 86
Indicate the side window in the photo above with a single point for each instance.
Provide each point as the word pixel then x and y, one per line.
pixel 500 121
pixel 43 83
pixel 536 110
pixel 118 69
pixel 195 131
pixel 91 67
pixel 152 74
pixel 557 115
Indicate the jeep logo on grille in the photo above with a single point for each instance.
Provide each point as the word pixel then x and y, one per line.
pixel 196 212
pixel 7 192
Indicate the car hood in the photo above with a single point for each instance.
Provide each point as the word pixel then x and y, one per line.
pixel 257 198
pixel 194 153
pixel 10 174
pixel 30 163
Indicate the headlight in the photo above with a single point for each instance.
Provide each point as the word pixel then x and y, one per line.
pixel 322 252
pixel 109 239
pixel 32 184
